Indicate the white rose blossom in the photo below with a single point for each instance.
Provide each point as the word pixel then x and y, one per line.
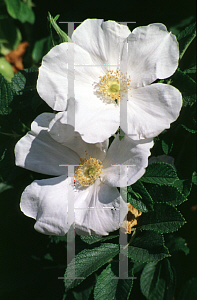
pixel 51 146
pixel 100 49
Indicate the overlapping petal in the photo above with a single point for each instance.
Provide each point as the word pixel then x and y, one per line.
pixel 39 152
pixel 126 161
pixel 64 134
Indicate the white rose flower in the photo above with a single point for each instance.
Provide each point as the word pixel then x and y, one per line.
pixel 51 146
pixel 111 64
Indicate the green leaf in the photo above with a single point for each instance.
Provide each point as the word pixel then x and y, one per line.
pixel 138 266
pixel 167 144
pixel 190 70
pixel 138 204
pixel 185 38
pixel 108 288
pixel 148 246
pixel 84 294
pixel 176 243
pixel 166 193
pixel 25 80
pixel 184 186
pixel 139 197
pixel 149 279
pixel 62 35
pixel 164 219
pixel 10 35
pixel 186 85
pixel 189 290
pixel 88 261
pixel 20 11
pixel 56 239
pixel 4 187
pixel 41 48
pixel 159 173
pixel 6 96
pixel 96 238
pixel 157 281
pixel 189 129
pixel 6 69
pixel 194 178
pixel 22 84
pixel 170 279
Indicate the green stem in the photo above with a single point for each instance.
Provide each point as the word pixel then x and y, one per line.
pixel 14 135
pixel 132 237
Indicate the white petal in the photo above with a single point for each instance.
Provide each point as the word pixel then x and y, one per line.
pixel 39 152
pixel 126 161
pixel 65 135
pixel 54 73
pixel 47 202
pixel 97 209
pixel 95 120
pixel 152 53
pixel 103 40
pixel 151 109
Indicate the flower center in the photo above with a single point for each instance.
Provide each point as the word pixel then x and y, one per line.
pixel 88 171
pixel 113 85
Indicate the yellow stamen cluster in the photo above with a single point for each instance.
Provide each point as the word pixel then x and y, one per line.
pixel 88 171
pixel 113 85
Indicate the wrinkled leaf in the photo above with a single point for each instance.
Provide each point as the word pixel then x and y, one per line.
pixel 164 219
pixel 159 173
pixel 139 197
pixel 96 238
pixel 88 261
pixel 108 288
pixel 148 247
pixel 167 194
pixel 6 96
pixel 157 281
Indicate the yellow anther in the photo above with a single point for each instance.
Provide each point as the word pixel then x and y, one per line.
pixel 88 171
pixel 113 85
